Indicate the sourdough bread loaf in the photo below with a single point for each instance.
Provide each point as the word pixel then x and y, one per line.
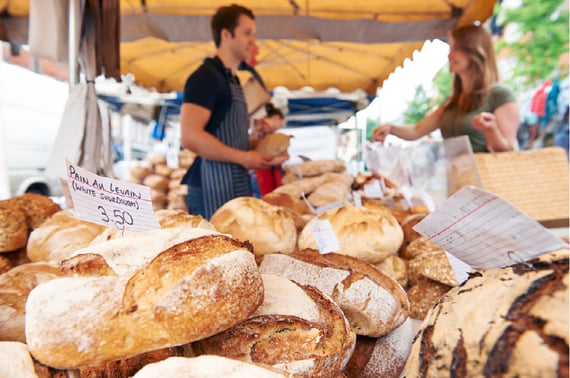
pixel 15 360
pixel 297 330
pixel 371 236
pixel 14 230
pixel 15 286
pixel 207 366
pixel 190 291
pixel 383 356
pixel 269 228
pixel 509 322
pixel 374 303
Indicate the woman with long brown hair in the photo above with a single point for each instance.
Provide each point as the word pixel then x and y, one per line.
pixel 479 106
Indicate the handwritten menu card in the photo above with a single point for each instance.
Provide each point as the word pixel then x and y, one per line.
pixel 484 231
pixel 110 202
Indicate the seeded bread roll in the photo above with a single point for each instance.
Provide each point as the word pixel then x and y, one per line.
pixel 14 227
pixel 38 208
pixel 188 292
pixel 507 322
pixel 368 235
pixel 297 329
pixel 374 303
pixel 15 285
pixel 269 228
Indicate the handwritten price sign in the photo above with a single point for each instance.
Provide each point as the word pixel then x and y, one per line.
pixel 325 236
pixel 110 202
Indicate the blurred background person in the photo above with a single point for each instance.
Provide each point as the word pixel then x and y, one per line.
pixel 479 106
pixel 267 179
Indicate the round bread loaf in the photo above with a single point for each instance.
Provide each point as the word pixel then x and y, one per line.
pixel 269 228
pixel 15 360
pixel 188 292
pixel 207 366
pixel 15 285
pixel 297 329
pixel 365 234
pixel 38 208
pixel 373 303
pixel 383 356
pixel 59 236
pixel 509 322
pixel 274 144
pixel 14 229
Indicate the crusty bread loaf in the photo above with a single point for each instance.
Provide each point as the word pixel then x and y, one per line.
pixel 316 167
pixel 508 322
pixel 297 329
pixel 15 285
pixel 433 265
pixel 15 360
pixel 206 366
pixel 274 144
pixel 374 303
pixel 286 200
pixel 192 290
pixel 14 230
pixel 59 236
pixel 37 207
pixel 269 228
pixel 423 295
pixel 368 235
pixel 383 356
pixel 125 255
pixel 396 268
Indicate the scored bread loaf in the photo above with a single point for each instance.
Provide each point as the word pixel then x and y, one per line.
pixel 297 329
pixel 59 236
pixel 190 291
pixel 365 234
pixel 207 366
pixel 506 322
pixel 383 356
pixel 15 285
pixel 269 228
pixel 373 303
pixel 125 255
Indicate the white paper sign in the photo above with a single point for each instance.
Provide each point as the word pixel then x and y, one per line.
pixel 485 231
pixel 373 189
pixel 327 241
pixel 110 202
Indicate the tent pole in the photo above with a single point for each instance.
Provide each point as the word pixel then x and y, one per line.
pixel 73 68
pixel 4 177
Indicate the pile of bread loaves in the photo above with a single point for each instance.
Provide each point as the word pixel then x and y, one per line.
pixel 248 293
pixel 164 181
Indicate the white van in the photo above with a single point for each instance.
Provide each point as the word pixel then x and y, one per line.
pixel 31 108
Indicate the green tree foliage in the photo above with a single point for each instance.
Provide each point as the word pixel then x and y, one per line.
pixel 418 107
pixel 442 82
pixel 543 25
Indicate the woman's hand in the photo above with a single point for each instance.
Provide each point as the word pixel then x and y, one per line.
pixel 381 132
pixel 484 121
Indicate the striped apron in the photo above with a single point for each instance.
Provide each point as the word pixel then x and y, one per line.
pixel 223 181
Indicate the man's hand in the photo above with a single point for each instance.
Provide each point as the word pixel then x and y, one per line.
pixel 278 159
pixel 256 160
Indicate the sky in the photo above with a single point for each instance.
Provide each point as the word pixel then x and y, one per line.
pixel 398 90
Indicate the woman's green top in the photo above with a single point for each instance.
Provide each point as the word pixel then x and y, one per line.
pixel 455 123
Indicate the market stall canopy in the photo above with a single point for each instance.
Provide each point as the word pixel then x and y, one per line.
pixel 318 43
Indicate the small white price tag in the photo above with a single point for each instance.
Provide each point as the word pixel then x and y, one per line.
pixel 110 202
pixel 327 241
pixel 373 189
pixel 357 198
pixel 332 205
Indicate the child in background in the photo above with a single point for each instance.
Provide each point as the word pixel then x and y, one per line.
pixel 267 179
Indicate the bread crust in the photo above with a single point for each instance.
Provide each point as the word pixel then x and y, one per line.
pixel 294 344
pixel 190 291
pixel 373 303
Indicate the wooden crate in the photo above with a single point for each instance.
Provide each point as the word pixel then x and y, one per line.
pixel 535 181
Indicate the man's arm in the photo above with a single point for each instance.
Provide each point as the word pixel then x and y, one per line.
pixel 193 120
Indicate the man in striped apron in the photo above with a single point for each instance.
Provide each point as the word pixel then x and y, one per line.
pixel 214 120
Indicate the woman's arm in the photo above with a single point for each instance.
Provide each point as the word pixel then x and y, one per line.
pixel 500 127
pixel 427 125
